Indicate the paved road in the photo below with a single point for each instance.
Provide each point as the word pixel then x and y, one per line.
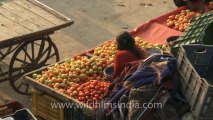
pixel 95 22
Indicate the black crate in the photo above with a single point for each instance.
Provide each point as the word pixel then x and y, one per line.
pixel 195 68
pixel 22 114
pixel 199 32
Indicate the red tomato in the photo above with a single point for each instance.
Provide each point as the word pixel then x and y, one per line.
pixel 50 85
pixel 105 89
pixel 72 88
pixel 86 97
pixel 102 90
pixel 181 28
pixel 94 92
pixel 86 88
pixel 51 75
pixel 92 86
pixel 96 95
pixel 100 97
pixel 94 99
pixel 79 88
pixel 91 94
pixel 83 85
pixel 81 94
pixel 59 80
pixel 97 88
pixel 95 82
pixel 99 92
pixel 91 90
pixel 83 98
pixel 74 72
pixel 87 93
pixel 79 99
pixel 210 6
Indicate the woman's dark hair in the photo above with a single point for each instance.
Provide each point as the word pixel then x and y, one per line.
pixel 179 3
pixel 126 42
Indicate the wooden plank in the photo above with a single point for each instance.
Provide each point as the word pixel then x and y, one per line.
pixel 6 33
pixel 38 33
pixel 27 15
pixel 19 20
pixel 47 8
pixel 3 34
pixel 12 26
pixel 39 11
pixel 7 30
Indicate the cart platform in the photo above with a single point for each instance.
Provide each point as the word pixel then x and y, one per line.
pixel 22 19
pixel 25 26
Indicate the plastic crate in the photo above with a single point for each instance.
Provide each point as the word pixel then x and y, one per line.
pixel 199 32
pixel 22 114
pixel 41 106
pixel 195 68
pixel 9 108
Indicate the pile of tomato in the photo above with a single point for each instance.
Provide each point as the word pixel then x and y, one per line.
pixel 182 20
pixel 90 92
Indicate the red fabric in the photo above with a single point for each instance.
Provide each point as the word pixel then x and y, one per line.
pixel 156 31
pixel 122 58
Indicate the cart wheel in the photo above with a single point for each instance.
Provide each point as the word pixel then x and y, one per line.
pixel 3 53
pixel 29 56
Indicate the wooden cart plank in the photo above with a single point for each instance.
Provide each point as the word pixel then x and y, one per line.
pixel 7 30
pixel 3 34
pixel 28 19
pixel 19 20
pixel 39 11
pixel 28 15
pixel 12 26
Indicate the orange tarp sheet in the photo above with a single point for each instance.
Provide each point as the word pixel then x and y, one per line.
pixel 156 31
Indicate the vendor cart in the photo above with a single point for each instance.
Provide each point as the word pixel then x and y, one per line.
pixel 25 45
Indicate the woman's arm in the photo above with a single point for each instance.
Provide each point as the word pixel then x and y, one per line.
pixel 119 61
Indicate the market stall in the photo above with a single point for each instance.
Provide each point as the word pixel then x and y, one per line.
pixel 79 80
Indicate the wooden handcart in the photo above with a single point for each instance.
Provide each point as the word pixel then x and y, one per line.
pixel 25 45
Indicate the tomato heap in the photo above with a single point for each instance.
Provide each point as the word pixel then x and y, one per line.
pixel 107 51
pixel 144 44
pixel 181 21
pixel 109 48
pixel 90 93
pixel 78 70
